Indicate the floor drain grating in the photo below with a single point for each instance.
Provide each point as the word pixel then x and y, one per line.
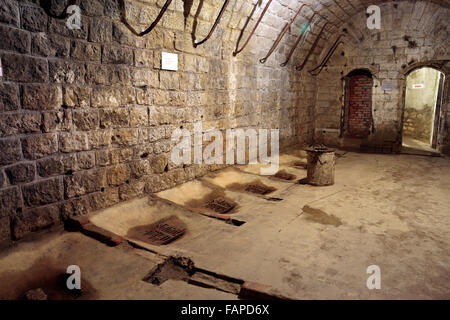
pixel 161 232
pixel 285 175
pixel 259 189
pixel 221 205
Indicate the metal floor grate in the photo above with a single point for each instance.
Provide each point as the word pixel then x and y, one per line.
pixel 164 231
pixel 259 189
pixel 221 205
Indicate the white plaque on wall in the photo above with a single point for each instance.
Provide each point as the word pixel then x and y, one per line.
pixel 169 61
pixel 387 86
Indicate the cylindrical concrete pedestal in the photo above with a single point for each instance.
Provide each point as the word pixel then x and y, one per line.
pixel 321 162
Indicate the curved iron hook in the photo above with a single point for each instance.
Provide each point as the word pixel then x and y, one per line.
pixel 219 17
pixel 47 4
pixel 281 35
pixel 327 57
pixel 300 68
pixel 235 53
pixel 301 36
pixel 123 18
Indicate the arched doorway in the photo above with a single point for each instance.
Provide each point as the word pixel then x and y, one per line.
pixel 357 121
pixel 421 116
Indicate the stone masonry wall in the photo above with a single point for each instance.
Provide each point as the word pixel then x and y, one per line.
pixel 413 34
pixel 86 115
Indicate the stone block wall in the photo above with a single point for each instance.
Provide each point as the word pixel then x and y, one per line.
pixel 86 116
pixel 412 34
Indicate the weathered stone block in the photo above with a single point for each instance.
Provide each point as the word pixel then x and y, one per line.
pixel 9 12
pixel 92 7
pixel 114 118
pixel 11 151
pixel 125 137
pixel 144 96
pixel 42 97
pixel 11 124
pixel 169 80
pixel 100 31
pixel 22 172
pixel 118 175
pixel 9 97
pixel 33 220
pixel 108 97
pixel 144 77
pixel 132 190
pixel 57 121
pixel 101 200
pixel 15 40
pixel 86 51
pixel 139 168
pixel 67 72
pixel 77 97
pixel 57 165
pixel 10 201
pixel 74 141
pixel 85 160
pixel 24 69
pixel 86 119
pixel 43 192
pixel 143 58
pixel 117 55
pixel 39 146
pixel 121 155
pixel 159 163
pixel 50 45
pixel 34 19
pixel 84 182
pixel 75 208
pixel 138 117
pixel 100 138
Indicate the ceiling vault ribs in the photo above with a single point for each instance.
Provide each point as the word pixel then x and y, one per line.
pixel 342 8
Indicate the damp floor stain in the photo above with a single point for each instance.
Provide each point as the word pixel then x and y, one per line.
pixel 319 216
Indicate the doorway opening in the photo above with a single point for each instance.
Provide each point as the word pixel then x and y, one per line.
pixel 422 113
pixel 357 121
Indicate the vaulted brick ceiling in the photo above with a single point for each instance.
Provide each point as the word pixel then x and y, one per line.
pixel 338 12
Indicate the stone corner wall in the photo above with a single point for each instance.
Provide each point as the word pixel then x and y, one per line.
pixel 86 115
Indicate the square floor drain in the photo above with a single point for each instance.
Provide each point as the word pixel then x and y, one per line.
pixel 285 175
pixel 221 205
pixel 259 189
pixel 161 232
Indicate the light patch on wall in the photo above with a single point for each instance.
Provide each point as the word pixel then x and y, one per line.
pixel 1 68
pixel 387 86
pixel 169 61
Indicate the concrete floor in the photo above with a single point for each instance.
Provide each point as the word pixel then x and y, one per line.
pixel 311 243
